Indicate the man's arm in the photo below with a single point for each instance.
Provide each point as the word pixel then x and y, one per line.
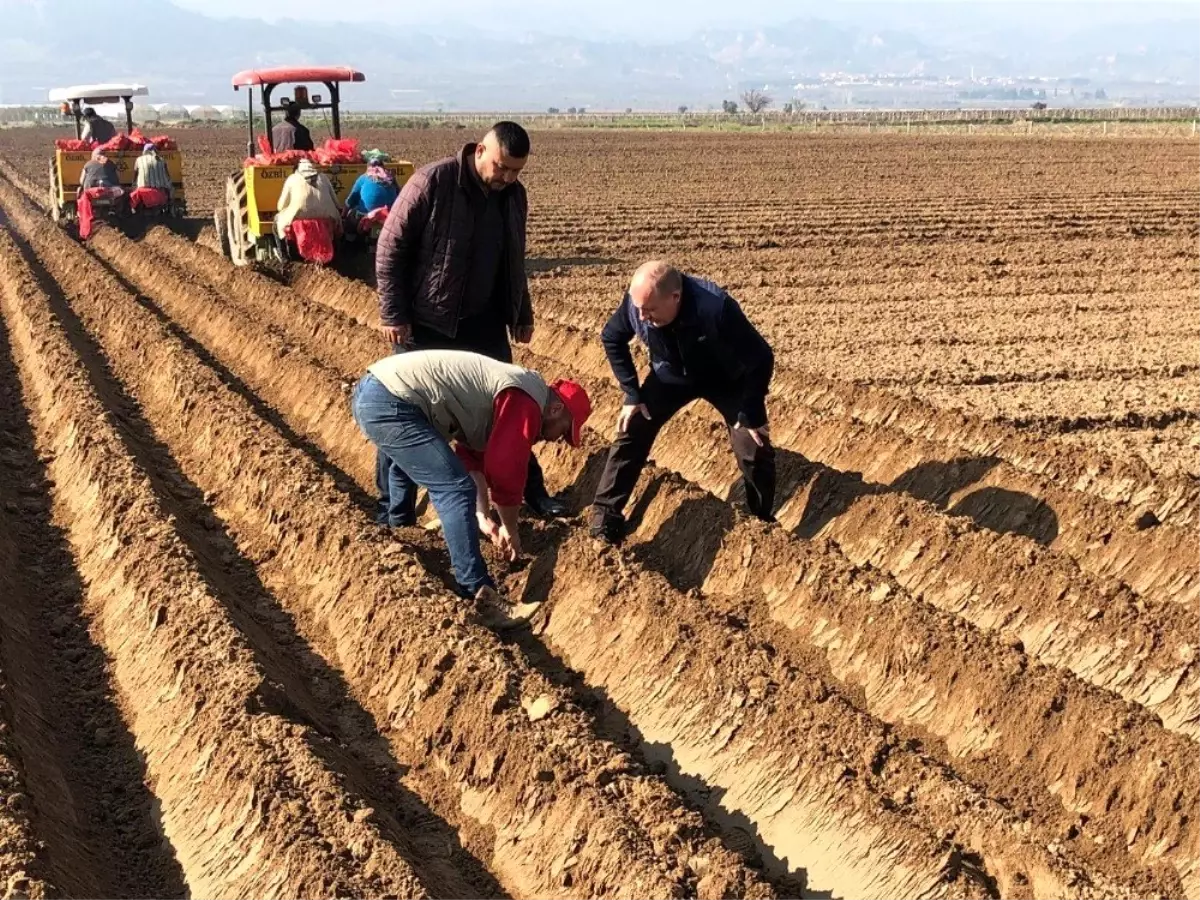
pixel 516 426
pixel 615 337
pixel 398 243
pixel 752 349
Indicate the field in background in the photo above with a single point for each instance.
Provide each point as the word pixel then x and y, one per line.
pixel 963 663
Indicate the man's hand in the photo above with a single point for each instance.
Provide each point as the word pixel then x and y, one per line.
pixel 397 334
pixel 488 527
pixel 627 414
pixel 509 543
pixel 509 539
pixel 761 435
pixel 523 334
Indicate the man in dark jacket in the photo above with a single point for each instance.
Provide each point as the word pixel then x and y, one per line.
pixel 290 134
pixel 701 346
pixel 96 127
pixel 450 267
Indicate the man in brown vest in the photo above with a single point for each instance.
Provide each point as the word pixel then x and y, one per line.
pixel 413 405
pixel 450 266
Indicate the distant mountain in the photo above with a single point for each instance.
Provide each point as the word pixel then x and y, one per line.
pixel 187 57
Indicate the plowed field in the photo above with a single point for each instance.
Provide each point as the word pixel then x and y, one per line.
pixel 962 664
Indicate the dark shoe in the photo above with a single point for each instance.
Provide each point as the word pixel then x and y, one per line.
pixel 548 507
pixel 608 528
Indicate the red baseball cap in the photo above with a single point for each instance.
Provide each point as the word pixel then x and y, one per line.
pixel 578 404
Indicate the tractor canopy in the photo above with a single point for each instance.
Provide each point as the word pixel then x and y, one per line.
pixel 78 96
pixel 288 74
pixel 98 93
pixel 266 80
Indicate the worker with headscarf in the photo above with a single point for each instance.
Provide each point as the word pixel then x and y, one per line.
pixel 99 172
pixel 99 182
pixel 370 198
pixel 308 213
pixel 152 182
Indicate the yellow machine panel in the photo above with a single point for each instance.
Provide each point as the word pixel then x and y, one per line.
pixel 70 166
pixel 264 184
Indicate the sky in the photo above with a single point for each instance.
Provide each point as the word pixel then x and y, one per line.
pixel 640 18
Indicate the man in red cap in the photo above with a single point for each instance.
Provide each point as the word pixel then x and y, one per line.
pixel 413 405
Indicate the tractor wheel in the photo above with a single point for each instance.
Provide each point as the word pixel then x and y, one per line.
pixel 237 217
pixel 221 224
pixel 55 208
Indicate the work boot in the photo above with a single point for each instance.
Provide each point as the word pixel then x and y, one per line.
pixel 607 527
pixel 547 506
pixel 500 613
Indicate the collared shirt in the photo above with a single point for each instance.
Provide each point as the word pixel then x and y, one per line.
pixel 487 248
pixel 516 426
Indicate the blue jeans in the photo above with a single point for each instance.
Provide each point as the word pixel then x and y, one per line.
pixel 418 455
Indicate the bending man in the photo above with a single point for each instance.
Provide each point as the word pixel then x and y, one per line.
pixel 701 346
pixel 412 405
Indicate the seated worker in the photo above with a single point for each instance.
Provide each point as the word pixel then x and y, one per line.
pixel 308 213
pixel 375 189
pixel 96 127
pixel 412 405
pixel 98 181
pixel 99 172
pixel 290 134
pixel 152 182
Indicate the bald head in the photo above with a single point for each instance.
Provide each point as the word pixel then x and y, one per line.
pixel 655 291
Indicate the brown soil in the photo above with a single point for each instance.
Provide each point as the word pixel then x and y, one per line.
pixel 962 664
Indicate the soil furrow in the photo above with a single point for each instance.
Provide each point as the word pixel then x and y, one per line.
pixel 310 690
pixel 1145 656
pixel 340 342
pixel 334 339
pixel 764 738
pixel 233 780
pixel 25 855
pixel 257 354
pixel 1065 618
pixel 1022 728
pixel 562 812
pixel 820 421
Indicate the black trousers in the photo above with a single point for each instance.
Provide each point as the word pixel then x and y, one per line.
pixel 488 336
pixel 628 454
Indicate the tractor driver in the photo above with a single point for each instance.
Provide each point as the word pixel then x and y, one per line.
pixel 290 134
pixel 96 127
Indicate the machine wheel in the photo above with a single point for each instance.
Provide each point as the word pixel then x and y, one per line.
pixel 55 208
pixel 237 219
pixel 221 224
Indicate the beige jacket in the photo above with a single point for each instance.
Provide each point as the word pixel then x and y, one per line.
pixel 305 199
